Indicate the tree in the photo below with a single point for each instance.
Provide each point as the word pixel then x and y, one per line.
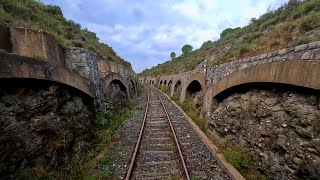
pixel 54 10
pixel 186 49
pixel 228 31
pixel 207 43
pixel 173 55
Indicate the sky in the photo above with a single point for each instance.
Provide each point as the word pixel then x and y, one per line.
pixel 145 32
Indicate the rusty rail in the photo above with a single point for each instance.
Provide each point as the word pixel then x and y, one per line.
pixel 133 159
pixel 129 172
pixel 176 140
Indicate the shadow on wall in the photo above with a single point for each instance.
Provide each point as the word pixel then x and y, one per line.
pixel 116 90
pixel 43 123
pixel 193 89
pixel 177 90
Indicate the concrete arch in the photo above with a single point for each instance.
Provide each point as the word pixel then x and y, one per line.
pixel 169 85
pixel 13 66
pixel 174 90
pixel 298 73
pixel 199 77
pixel 160 83
pixel 114 76
pixel 132 87
pixel 193 87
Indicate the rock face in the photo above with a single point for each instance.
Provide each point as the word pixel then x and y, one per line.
pixel 280 129
pixel 85 62
pixel 42 128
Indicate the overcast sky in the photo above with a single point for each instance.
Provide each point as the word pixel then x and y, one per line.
pixel 145 32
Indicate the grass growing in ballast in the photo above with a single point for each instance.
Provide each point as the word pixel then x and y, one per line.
pixel 190 108
pixel 109 122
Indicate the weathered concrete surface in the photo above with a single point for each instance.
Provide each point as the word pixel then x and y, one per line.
pixel 13 66
pixel 300 73
pixel 115 76
pixel 36 44
pixel 36 54
pixel 185 79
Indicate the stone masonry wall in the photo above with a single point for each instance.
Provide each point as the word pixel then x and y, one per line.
pixel 301 52
pixel 279 128
pixel 85 62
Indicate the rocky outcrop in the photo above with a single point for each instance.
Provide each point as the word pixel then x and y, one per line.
pixel 43 129
pixel 85 62
pixel 280 129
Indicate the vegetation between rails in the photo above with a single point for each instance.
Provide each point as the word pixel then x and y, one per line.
pixel 36 15
pixel 294 23
pixel 109 121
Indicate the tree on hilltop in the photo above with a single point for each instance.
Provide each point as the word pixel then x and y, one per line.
pixel 186 49
pixel 173 55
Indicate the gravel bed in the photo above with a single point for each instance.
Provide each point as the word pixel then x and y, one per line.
pixel 152 160
pixel 199 159
pixel 119 156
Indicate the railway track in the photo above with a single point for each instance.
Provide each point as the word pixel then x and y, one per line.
pixel 157 154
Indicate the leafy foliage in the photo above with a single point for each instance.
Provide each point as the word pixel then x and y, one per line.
pixel 228 31
pixel 186 49
pixel 173 55
pixel 36 15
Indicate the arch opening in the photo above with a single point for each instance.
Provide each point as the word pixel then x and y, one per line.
pixel 132 87
pixel 169 84
pixel 193 90
pixel 177 90
pixel 47 110
pixel 116 90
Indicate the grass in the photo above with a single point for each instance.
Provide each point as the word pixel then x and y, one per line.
pixel 109 123
pixel 190 108
pixel 36 15
pixel 238 156
pixel 164 89
pixel 294 23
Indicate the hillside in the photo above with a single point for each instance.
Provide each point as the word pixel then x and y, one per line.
pixel 294 23
pixel 36 15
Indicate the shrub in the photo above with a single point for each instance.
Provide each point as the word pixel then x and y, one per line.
pixel 238 158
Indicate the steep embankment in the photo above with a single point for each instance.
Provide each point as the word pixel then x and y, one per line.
pixel 35 15
pixel 294 23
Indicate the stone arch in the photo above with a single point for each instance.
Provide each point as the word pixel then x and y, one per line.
pixel 13 66
pixel 198 77
pixel 176 89
pixel 169 87
pixel 160 83
pixel 298 73
pixel 193 89
pixel 132 87
pixel 114 82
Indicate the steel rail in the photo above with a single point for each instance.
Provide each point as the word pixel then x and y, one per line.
pixel 129 172
pixel 175 139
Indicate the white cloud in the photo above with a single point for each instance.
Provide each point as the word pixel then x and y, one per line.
pixel 146 32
